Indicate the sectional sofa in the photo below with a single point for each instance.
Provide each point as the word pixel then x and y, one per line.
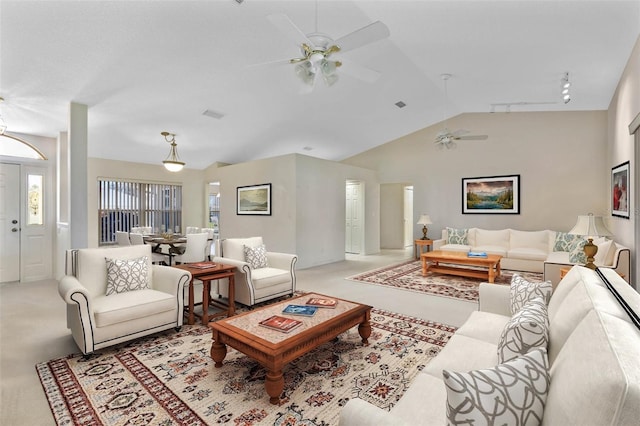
pixel 593 371
pixel 547 252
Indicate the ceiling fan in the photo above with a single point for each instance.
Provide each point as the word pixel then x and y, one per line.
pixel 317 50
pixel 446 138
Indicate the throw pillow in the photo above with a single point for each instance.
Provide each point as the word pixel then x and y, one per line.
pixel 526 330
pixel 127 275
pixel 563 241
pixel 576 254
pixel 522 291
pixel 457 236
pixel 513 393
pixel 256 256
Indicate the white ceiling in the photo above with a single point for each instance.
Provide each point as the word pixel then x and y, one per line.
pixel 143 67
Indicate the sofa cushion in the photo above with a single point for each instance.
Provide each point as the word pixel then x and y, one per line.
pixel 492 249
pixel 528 254
pixel 512 393
pixel 127 275
pixel 526 330
pixel 456 247
pixel 234 247
pixel 266 277
pixel 485 237
pixel 485 326
pixel 523 291
pixel 256 256
pixel 457 236
pixel 538 240
pixel 423 400
pixel 604 256
pixel 463 353
pixel 123 307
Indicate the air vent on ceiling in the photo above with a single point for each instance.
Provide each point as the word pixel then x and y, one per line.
pixel 213 114
pixel 400 104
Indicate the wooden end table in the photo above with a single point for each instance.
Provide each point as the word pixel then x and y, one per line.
pixel 275 349
pixel 451 258
pixel 418 247
pixel 207 272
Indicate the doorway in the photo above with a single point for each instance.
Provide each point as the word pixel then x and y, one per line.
pixel 354 222
pixel 408 216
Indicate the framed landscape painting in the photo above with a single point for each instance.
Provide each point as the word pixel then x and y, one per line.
pixel 491 195
pixel 254 200
pixel 620 190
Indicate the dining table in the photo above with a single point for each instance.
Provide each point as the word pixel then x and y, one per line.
pixel 174 242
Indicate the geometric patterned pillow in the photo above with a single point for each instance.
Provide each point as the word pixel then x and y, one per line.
pixel 513 393
pixel 576 253
pixel 127 275
pixel 522 291
pixel 457 236
pixel 564 241
pixel 527 329
pixel 256 256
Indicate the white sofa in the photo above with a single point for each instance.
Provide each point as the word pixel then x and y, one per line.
pixel 98 320
pixel 533 251
pixel 255 285
pixel 593 355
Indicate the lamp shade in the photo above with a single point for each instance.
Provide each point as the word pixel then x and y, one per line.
pixel 424 220
pixel 591 226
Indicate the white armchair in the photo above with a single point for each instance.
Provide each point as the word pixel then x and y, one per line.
pixel 255 285
pixel 97 320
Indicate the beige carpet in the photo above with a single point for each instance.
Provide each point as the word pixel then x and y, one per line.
pixel 170 378
pixel 408 276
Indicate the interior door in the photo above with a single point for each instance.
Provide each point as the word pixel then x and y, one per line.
pixel 9 222
pixel 408 216
pixel 353 214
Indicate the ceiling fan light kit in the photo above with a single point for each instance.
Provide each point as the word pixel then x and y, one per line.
pixel 172 163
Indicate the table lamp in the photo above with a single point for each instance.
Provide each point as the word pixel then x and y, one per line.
pixel 590 226
pixel 424 221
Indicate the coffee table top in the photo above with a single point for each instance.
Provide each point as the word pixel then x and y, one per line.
pixel 458 256
pixel 248 322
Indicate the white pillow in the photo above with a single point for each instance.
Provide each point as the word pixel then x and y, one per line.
pixel 513 393
pixel 526 330
pixel 127 275
pixel 602 255
pixel 522 291
pixel 256 256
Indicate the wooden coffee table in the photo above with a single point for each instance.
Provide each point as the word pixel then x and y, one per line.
pixel 274 349
pixel 431 262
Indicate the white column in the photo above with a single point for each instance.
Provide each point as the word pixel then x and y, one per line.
pixel 78 211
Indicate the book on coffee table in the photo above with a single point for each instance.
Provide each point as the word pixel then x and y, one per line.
pixel 307 311
pixel 276 322
pixel 477 254
pixel 322 302
pixel 201 265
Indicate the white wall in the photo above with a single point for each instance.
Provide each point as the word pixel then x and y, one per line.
pixel 192 181
pixel 560 157
pixel 392 215
pixel 308 206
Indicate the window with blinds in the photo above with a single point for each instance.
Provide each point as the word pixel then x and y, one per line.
pixel 123 205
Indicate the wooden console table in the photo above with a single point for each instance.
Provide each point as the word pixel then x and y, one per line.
pixel 216 271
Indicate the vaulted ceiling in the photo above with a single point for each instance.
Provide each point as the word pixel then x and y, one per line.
pixel 143 67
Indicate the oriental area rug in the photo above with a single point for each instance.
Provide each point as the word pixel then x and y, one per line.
pixel 408 276
pixel 170 379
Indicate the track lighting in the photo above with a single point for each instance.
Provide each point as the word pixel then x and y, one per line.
pixel 566 84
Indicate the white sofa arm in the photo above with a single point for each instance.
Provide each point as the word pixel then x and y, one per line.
pixel 282 260
pixel 495 298
pixel 71 291
pixel 360 413
pixel 169 280
pixel 438 243
pixel 242 267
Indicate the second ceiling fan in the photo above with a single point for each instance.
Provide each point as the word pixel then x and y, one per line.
pixel 446 138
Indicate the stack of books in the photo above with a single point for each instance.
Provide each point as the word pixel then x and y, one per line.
pixel 477 254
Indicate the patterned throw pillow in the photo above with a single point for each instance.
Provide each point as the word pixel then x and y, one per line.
pixel 564 241
pixel 457 236
pixel 526 330
pixel 522 291
pixel 127 275
pixel 513 393
pixel 256 256
pixel 576 254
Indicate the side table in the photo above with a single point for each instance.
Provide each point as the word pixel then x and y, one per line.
pixel 207 272
pixel 418 245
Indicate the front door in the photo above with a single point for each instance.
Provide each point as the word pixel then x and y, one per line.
pixel 9 222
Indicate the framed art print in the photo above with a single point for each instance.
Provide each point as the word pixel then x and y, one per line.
pixel 491 195
pixel 620 190
pixel 254 200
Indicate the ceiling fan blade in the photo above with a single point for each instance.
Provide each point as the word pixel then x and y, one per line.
pixel 270 63
pixel 473 137
pixel 289 29
pixel 459 132
pixel 365 35
pixel 360 72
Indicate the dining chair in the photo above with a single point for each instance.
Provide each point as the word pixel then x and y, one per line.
pixel 211 236
pixel 122 238
pixel 194 249
pixel 156 257
pixel 193 230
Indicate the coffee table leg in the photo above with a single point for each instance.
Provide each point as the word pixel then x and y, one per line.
pixel 492 275
pixel 218 350
pixel 205 301
pixel 424 266
pixel 274 385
